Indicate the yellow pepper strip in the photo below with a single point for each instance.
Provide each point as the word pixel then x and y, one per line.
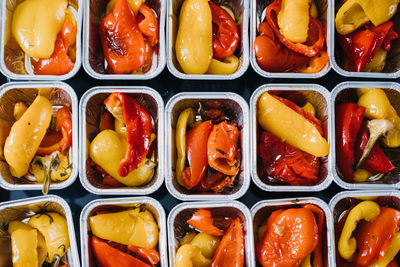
pixel 377 106
pixel 361 175
pixel 28 245
pixel 308 107
pixel 130 227
pixel 293 20
pixel 26 135
pixel 390 254
pixel 193 44
pixel 35 25
pixel 313 9
pixel 207 244
pixel 228 66
pixel 186 118
pixel 366 210
pixel 283 122
pixel 54 228
pixel 19 110
pixel 108 149
pixel 187 238
pixel 190 256
pixel 306 261
pixel 355 13
pixel 378 62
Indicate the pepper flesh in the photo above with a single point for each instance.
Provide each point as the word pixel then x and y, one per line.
pixel 227 66
pixel 130 227
pixel 320 218
pixel 26 134
pixel 203 221
pixel 388 259
pixel 149 25
pixel 285 123
pixel 366 210
pixel 293 19
pixel 150 255
pixel 138 129
pixel 190 256
pixel 208 244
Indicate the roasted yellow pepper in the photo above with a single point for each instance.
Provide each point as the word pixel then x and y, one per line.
pixel 377 106
pixel 355 13
pixel 283 122
pixel 135 5
pixel 56 163
pixel 306 261
pixel 390 253
pixel 186 118
pixel 193 44
pixel 366 210
pixel 190 256
pixel 308 107
pixel 26 135
pixel 35 25
pixel 28 245
pixel 361 175
pixel 293 19
pixel 108 149
pixel 54 228
pixel 378 62
pixel 130 227
pixel 228 66
pixel 207 244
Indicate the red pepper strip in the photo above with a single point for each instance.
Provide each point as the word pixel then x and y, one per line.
pixel 348 122
pixel 222 148
pixel 196 151
pixel 148 254
pixel 149 25
pixel 286 163
pixel 59 62
pixel 107 256
pixel 202 220
pixel 138 129
pixel 64 124
pixel 230 252
pixel 110 181
pixel 393 263
pixel 225 32
pixel 122 41
pixel 320 217
pixel 392 35
pixel 376 162
pixel 315 39
pixel 374 238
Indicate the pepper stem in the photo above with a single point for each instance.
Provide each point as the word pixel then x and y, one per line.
pixel 56 261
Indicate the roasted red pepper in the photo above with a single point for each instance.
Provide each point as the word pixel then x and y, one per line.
pixel 225 32
pixel 122 41
pixel 149 24
pixel 51 142
pixel 107 256
pixel 376 162
pixel 222 151
pixel 196 150
pixel 348 122
pixel 203 221
pixel 373 238
pixel 215 182
pixel 315 39
pixel 230 252
pixel 361 46
pixel 148 254
pixel 138 129
pixel 59 62
pixel 393 263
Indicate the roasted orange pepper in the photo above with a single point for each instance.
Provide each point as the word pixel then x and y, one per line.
pixel 222 148
pixel 203 221
pixel 150 255
pixel 149 25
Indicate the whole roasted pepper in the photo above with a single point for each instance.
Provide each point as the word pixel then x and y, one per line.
pixel 36 24
pixel 285 123
pixel 203 221
pixel 196 147
pixel 315 34
pixel 107 256
pixel 138 129
pixel 130 227
pixel 54 229
pixel 121 39
pixel 26 135
pixel 348 122
pixel 355 13
pixel 193 45
pixel 225 34
pixel 28 245
pixel 222 149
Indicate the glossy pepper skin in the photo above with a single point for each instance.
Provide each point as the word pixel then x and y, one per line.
pixel 138 129
pixel 150 255
pixel 225 34
pixel 319 215
pixel 149 25
pixel 107 256
pixel 291 235
pixel 230 251
pixel 122 42
pixel 348 122
pixel 293 19
pixel 203 221
pixel 26 135
pixel 196 149
pixel 222 149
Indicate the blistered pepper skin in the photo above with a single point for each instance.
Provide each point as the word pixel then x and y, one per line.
pixel 130 227
pixel 35 25
pixel 26 135
pixel 193 44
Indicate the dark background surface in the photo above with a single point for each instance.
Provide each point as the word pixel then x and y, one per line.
pixel 167 85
